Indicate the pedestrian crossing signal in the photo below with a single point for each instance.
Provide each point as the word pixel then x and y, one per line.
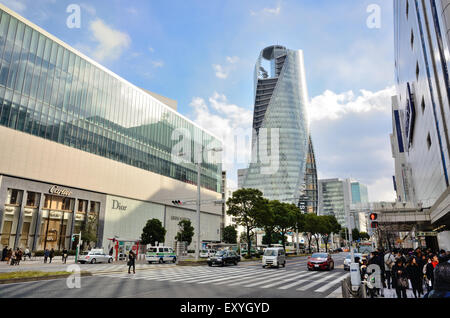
pixel 373 216
pixel 374 225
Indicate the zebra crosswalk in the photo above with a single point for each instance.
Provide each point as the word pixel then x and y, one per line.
pixel 294 279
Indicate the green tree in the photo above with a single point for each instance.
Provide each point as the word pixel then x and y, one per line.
pixel 229 234
pixel 284 218
pixel 311 228
pixel 89 230
pixel 185 233
pixel 152 232
pixel 328 225
pixel 364 235
pixel 355 235
pixel 247 206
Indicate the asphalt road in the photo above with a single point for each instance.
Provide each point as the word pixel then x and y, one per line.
pixel 247 280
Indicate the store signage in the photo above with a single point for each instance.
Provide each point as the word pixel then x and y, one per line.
pixel 178 218
pixel 55 215
pixel 60 191
pixel 419 234
pixel 117 206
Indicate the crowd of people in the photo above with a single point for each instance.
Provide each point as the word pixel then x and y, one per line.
pixel 13 257
pixel 423 271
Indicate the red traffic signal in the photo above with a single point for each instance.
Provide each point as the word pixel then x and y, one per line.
pixel 373 216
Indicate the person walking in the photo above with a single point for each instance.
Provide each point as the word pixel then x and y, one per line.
pixel 132 262
pixel 27 253
pixel 400 278
pixel 111 252
pixel 19 255
pixel 4 253
pixel 415 276
pixel 429 271
pixel 389 261
pixel 46 254
pixel 65 253
pixel 51 255
pixel 12 258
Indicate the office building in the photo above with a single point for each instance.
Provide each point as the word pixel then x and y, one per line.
pixel 82 147
pixel 283 164
pixel 423 103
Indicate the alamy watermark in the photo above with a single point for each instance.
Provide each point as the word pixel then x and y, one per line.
pixel 74 280
pixel 374 19
pixel 74 19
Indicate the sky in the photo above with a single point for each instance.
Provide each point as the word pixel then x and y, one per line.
pixel 202 53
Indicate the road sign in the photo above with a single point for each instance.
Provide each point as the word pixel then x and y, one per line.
pixel 419 234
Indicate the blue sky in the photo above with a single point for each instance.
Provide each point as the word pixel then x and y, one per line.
pixel 202 53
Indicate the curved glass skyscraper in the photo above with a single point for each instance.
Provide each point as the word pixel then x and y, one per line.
pixel 283 163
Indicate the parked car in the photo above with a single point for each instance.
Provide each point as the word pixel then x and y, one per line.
pixel 160 254
pixel 224 257
pixel 274 256
pixel 320 261
pixel 94 256
pixel 338 250
pixel 347 260
pixel 207 253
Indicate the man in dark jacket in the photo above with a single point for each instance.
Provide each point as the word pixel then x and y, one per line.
pixel 441 282
pixel 4 253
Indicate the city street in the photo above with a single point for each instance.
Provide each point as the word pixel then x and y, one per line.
pixel 248 279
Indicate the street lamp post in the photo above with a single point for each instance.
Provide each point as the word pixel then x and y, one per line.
pixel 197 249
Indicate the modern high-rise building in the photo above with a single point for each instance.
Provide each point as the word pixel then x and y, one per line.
pixel 82 147
pixel 283 163
pixel 423 102
pixel 339 197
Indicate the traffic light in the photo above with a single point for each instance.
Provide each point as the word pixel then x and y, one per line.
pixel 373 223
pixel 73 238
pixel 177 202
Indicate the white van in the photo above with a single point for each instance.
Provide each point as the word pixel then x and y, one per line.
pixel 274 256
pixel 160 254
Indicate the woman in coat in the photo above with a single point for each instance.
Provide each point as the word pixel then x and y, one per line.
pixel 400 282
pixel 131 262
pixel 415 275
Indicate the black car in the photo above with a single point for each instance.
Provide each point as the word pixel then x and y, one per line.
pixel 224 257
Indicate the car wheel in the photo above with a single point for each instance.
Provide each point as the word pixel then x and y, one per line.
pixel 310 269
pixel 150 262
pixel 93 261
pixel 109 260
pixel 235 262
pixel 264 266
pixel 161 261
pixel 222 264
pixel 284 264
pixel 209 264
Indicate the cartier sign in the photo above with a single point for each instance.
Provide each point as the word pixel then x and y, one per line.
pixel 60 191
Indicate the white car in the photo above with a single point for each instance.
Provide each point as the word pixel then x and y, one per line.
pixel 207 253
pixel 347 260
pixel 94 256
pixel 274 256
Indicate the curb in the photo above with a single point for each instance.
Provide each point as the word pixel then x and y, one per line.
pixel 31 279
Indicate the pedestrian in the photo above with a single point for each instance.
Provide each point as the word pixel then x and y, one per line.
pixel 428 270
pixel 400 279
pixel 19 255
pixel 441 282
pixel 27 253
pixel 12 258
pixel 46 254
pixel 131 262
pixel 64 255
pixel 415 275
pixel 4 253
pixel 51 255
pixel 389 261
pixel 111 252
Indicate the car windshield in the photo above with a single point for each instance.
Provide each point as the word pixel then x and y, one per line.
pixel 220 253
pixel 204 251
pixel 270 253
pixel 319 255
pixel 85 253
pixel 152 250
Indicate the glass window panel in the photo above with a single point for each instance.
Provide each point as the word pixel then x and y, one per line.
pixel 27 37
pixel 4 24
pixel 12 29
pixel 19 33
pixel 34 41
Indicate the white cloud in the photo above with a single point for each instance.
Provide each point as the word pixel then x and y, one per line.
pixel 111 42
pixel 229 122
pixel 222 71
pixel 334 106
pixel 15 5
pixel 152 50
pixel 268 11
pixel 158 63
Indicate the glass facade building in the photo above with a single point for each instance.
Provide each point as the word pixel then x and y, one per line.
pixel 50 90
pixel 281 129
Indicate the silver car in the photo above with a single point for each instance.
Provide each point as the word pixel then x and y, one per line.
pixel 347 260
pixel 94 256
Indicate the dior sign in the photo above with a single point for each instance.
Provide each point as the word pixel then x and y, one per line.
pixel 58 191
pixel 117 206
